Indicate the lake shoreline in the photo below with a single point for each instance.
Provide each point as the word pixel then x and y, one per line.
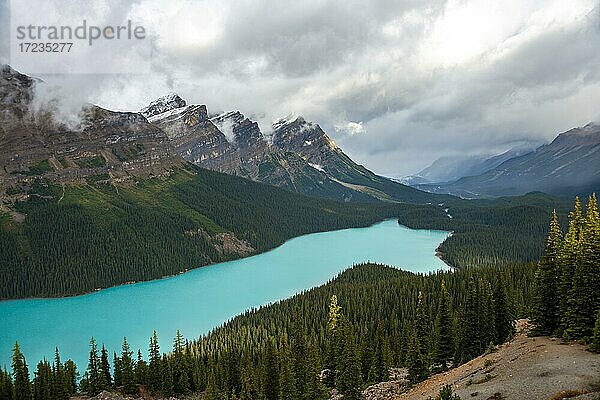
pixel 202 299
pixel 185 271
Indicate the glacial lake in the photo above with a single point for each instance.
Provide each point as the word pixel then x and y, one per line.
pixel 204 298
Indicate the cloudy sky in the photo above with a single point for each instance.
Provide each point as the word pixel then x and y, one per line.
pixel 396 83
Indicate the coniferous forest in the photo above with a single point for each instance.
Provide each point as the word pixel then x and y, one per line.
pixel 79 238
pixel 350 332
pixel 355 328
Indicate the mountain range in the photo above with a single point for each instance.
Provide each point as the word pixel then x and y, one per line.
pixel 569 165
pixel 452 168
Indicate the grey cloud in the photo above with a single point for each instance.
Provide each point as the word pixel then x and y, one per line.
pixel 360 62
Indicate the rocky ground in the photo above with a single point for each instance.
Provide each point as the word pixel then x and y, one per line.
pixel 524 368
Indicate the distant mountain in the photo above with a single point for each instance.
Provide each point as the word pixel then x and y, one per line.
pixel 569 165
pixel 452 168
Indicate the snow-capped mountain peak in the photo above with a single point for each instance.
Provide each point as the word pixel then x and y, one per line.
pixel 163 104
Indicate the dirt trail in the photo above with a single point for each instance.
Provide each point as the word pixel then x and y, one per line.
pixel 525 368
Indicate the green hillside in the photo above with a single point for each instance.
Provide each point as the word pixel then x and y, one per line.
pixel 97 235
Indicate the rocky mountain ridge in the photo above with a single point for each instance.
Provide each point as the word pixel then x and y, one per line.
pixel 566 166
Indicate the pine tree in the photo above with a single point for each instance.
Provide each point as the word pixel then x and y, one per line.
pixel 378 366
pixel 334 339
pixel 21 383
pixel 545 313
pixel 105 377
pixel 6 386
pixel 93 371
pixel 315 389
pixel 71 375
pixel 127 374
pixel 348 380
pixel 118 371
pixel 59 385
pixel 422 326
pixel 504 323
pixel 570 261
pixel 417 367
pixel 141 370
pixel 287 381
pixel 154 367
pixel 42 381
pixel 444 340
pixel 270 370
pixel 299 351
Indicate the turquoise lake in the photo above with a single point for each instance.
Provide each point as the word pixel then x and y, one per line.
pixel 204 298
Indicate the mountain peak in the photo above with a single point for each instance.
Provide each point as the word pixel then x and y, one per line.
pixel 589 133
pixel 288 119
pixel 163 104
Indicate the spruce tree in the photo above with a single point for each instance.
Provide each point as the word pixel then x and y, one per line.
pixel 378 367
pixel 315 389
pixel 415 362
pixel 21 383
pixel 299 351
pixel 42 381
pixel 469 343
pixel 118 371
pixel 105 377
pixel 444 340
pixel 6 385
pixel 141 370
pixel 248 390
pixel 422 326
pixel 180 376
pixel 504 323
pixel 166 377
pixel 154 367
pixel 59 385
pixel 93 370
pixel 287 381
pixel 584 293
pixel 545 313
pixel 71 375
pixel 212 390
pixel 348 381
pixel 270 371
pixel 570 261
pixel 127 374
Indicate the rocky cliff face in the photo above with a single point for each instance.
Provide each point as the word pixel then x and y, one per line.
pixel 124 146
pixel 107 145
pixel 232 143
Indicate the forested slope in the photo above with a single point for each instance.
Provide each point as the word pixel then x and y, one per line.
pixel 363 322
pixel 82 237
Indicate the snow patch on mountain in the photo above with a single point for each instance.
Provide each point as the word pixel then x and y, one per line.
pixel 163 104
